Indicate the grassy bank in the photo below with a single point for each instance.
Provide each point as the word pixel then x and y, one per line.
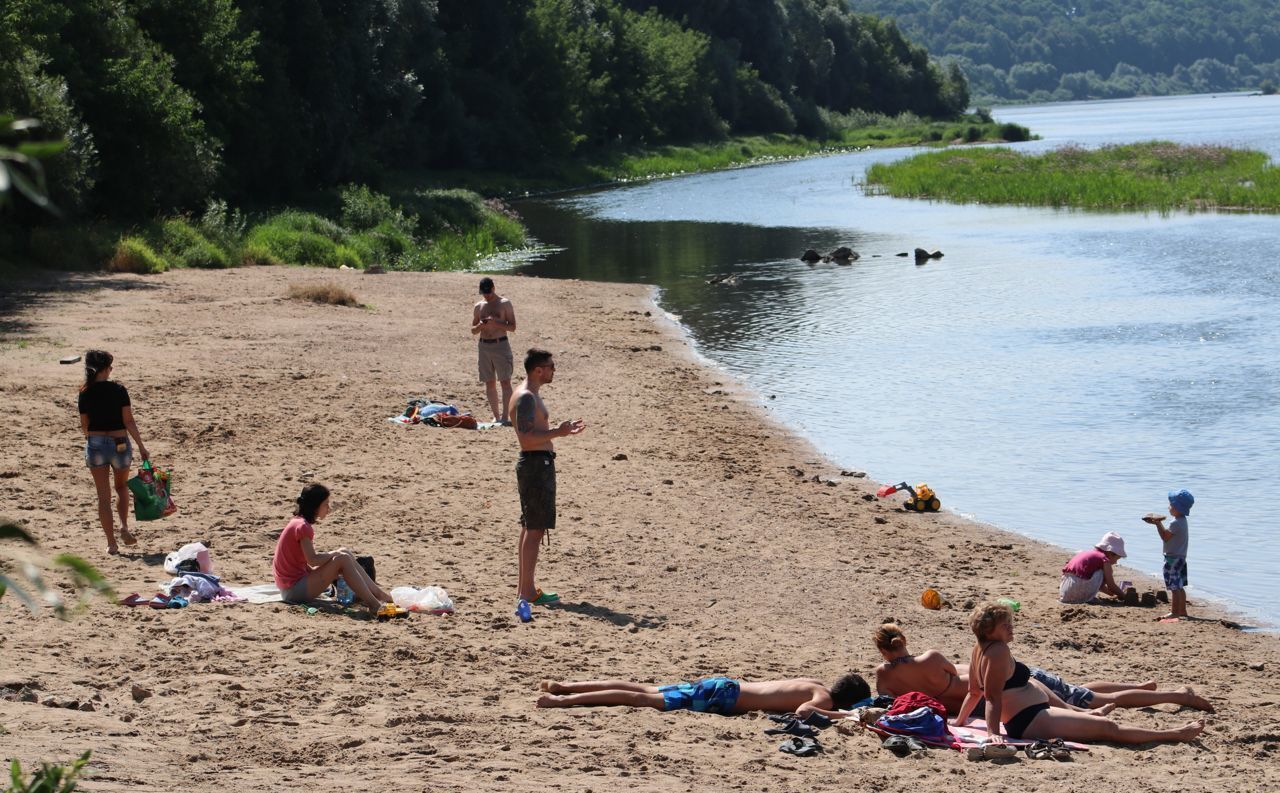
pixel 852 132
pixel 1155 175
pixel 422 230
pixel 449 226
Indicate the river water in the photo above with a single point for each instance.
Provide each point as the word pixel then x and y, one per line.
pixel 1056 373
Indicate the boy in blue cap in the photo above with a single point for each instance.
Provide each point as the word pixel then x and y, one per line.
pixel 1175 550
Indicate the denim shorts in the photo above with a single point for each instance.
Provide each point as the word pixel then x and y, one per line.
pixel 100 450
pixel 1072 695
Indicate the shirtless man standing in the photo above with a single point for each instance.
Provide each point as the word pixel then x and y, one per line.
pixel 723 695
pixel 492 319
pixel 536 468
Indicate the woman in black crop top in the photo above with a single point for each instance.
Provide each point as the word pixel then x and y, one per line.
pixel 1021 703
pixel 106 418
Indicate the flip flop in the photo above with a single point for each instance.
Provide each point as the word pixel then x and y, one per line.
pixel 159 602
pixel 544 598
pixel 134 600
pixel 793 726
pixel 816 719
pixel 901 745
pixel 800 747
pixel 1039 750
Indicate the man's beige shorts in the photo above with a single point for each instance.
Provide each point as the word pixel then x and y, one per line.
pixel 495 361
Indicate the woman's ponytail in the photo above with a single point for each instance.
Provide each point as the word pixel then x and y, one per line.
pixel 95 361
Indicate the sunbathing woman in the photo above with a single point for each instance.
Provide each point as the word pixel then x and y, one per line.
pixel 1010 698
pixel 931 673
pixel 106 419
pixel 302 574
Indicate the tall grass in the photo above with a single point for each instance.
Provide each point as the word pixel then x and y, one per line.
pixel 1154 175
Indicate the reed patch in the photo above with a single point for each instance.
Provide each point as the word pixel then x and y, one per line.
pixel 1152 175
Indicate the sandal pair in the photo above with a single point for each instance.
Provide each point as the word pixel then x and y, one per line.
pixel 1049 750
pixel 991 751
pixel 800 747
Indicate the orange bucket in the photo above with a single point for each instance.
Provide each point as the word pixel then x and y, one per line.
pixel 932 599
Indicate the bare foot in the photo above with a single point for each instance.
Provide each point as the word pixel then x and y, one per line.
pixel 1150 685
pixel 127 536
pixel 1194 700
pixel 551 686
pixel 113 550
pixel 1191 730
pixel 1106 709
pixel 553 701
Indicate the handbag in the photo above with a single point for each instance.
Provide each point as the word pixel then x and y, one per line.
pixel 152 498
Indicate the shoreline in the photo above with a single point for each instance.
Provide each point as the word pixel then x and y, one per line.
pixel 706 550
pixel 1219 605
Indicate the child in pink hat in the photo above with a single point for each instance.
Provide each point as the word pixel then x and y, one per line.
pixel 1089 571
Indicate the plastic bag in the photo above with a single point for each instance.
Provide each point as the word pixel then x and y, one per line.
pixel 432 599
pixel 151 493
pixel 192 551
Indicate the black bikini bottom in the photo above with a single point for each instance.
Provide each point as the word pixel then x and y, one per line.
pixel 1022 720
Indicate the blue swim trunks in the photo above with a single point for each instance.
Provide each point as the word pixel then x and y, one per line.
pixel 1175 572
pixel 711 695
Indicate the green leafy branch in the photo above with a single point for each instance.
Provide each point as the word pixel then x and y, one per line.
pixel 84 577
pixel 20 167
pixel 50 778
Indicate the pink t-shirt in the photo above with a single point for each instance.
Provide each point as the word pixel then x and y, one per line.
pixel 289 565
pixel 1086 563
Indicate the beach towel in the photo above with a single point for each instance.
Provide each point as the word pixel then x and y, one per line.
pixel 939 742
pixel 975 731
pixel 923 722
pixel 258 593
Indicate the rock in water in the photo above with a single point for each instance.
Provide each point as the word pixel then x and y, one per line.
pixel 810 256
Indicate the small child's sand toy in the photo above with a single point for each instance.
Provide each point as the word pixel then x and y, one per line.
pixel 922 497
pixel 390 611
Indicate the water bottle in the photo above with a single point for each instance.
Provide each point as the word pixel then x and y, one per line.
pixel 1011 603
pixel 523 610
pixel 345 596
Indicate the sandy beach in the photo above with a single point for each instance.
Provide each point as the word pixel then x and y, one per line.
pixel 693 540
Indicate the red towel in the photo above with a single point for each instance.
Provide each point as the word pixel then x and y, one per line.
pixel 914 699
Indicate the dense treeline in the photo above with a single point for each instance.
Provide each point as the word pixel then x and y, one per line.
pixel 1077 49
pixel 166 103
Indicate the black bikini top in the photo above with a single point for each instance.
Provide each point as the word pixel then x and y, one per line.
pixel 1021 674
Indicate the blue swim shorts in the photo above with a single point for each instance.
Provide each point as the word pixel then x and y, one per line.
pixel 1072 695
pixel 1175 572
pixel 100 450
pixel 711 695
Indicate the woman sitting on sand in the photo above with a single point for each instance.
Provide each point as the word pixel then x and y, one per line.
pixel 302 574
pixel 106 419
pixel 1013 701
pixel 931 673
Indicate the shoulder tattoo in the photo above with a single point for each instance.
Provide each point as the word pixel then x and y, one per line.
pixel 526 410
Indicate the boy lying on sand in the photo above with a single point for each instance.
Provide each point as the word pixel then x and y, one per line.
pixel 801 695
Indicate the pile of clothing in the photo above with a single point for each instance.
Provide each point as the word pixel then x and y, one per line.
pixel 437 414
